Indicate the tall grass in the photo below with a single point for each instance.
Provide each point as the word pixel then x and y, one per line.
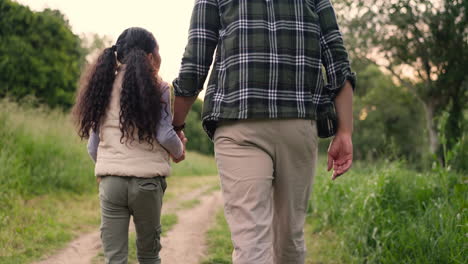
pixel 219 242
pixel 44 171
pixel 47 184
pixel 389 214
pixel 196 164
pixel 40 153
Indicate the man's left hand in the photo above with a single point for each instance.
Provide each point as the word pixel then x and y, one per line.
pixel 340 154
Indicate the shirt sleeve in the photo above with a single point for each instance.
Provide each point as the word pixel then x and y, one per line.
pixel 93 144
pixel 334 54
pixel 202 42
pixel 166 135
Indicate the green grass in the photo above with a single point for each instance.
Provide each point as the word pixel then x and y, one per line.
pixel 195 165
pixel 219 242
pixel 189 204
pixel 41 225
pixel 389 214
pixel 44 171
pixel 380 213
pixel 167 222
pixel 48 192
pixel 214 188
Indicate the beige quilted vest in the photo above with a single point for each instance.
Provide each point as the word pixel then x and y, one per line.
pixel 126 159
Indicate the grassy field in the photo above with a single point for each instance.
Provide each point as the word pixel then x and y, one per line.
pixel 45 171
pixel 379 213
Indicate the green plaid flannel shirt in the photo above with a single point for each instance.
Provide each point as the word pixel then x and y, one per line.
pixel 268 62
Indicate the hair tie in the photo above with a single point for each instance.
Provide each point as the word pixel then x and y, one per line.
pixel 114 48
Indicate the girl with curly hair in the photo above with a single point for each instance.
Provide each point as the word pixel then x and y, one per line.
pixel 123 108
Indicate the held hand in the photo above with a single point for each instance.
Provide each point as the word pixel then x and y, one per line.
pixel 181 135
pixel 184 142
pixel 177 160
pixel 340 154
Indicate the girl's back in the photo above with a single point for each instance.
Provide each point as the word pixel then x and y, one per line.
pixel 132 157
pixel 125 112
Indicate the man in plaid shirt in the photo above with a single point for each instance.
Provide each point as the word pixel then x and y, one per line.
pixel 265 99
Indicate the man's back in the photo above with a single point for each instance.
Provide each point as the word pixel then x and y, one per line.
pixel 268 60
pixel 269 56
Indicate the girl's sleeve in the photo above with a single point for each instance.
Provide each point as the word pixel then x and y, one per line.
pixel 93 144
pixel 166 135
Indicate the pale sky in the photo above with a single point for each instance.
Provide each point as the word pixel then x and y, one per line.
pixel 168 20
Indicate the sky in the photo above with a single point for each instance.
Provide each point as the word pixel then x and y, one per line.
pixel 168 20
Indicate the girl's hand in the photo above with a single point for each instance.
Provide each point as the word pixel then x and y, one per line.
pixel 177 160
pixel 184 142
pixel 181 135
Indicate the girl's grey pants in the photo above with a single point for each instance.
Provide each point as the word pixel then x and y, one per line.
pixel 122 197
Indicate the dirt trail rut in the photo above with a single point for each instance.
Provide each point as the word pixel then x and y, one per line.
pixel 184 243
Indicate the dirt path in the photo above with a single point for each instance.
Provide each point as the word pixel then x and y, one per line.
pixel 185 243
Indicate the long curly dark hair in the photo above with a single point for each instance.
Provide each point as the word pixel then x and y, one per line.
pixel 140 99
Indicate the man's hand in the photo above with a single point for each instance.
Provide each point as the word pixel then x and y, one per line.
pixel 182 106
pixel 340 154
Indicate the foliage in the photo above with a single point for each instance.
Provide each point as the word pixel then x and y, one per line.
pixel 198 140
pixel 39 153
pixel 455 157
pixel 388 214
pixel 39 55
pixel 388 122
pixel 423 44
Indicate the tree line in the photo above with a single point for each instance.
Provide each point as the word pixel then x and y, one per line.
pixel 412 60
pixel 41 60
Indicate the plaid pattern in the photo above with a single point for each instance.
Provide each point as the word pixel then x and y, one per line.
pixel 268 63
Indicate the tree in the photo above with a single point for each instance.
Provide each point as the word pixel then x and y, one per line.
pixel 383 112
pixel 198 140
pixel 93 44
pixel 39 55
pixel 422 44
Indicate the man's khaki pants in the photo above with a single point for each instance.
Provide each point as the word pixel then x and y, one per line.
pixel 266 169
